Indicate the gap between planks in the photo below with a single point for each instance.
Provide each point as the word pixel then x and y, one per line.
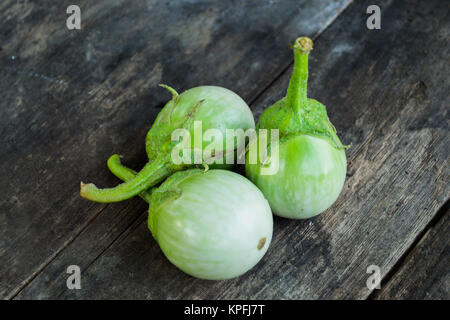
pixel 406 256
pixel 16 292
pixel 27 281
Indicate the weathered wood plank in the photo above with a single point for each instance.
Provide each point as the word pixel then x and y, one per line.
pixel 388 96
pixel 425 273
pixel 386 92
pixel 72 98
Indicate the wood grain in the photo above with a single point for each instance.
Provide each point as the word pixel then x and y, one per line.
pixel 387 93
pixel 425 273
pixel 71 98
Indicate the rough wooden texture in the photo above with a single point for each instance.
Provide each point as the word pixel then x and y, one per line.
pixel 72 98
pixel 386 92
pixel 425 273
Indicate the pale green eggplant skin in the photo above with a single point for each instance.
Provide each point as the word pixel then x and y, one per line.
pixel 212 225
pixel 311 160
pixel 217 108
pixel 311 174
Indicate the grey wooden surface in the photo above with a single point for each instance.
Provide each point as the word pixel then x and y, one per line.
pixel 425 272
pixel 72 98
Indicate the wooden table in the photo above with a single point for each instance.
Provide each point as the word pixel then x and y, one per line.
pixel 71 98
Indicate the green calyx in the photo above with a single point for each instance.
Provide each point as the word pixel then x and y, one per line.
pixel 296 113
pixel 168 191
pixel 158 140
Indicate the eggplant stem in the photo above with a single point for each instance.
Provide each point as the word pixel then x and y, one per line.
pixel 153 173
pixel 172 91
pixel 298 84
pixel 125 174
